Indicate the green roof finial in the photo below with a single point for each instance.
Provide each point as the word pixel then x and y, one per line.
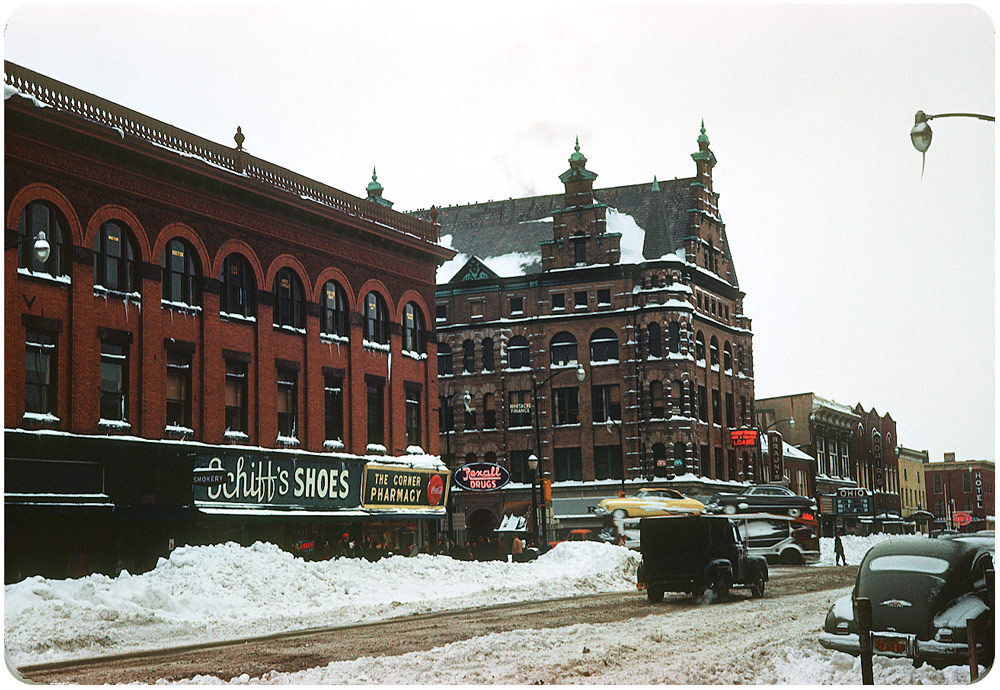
pixel 702 137
pixel 374 185
pixel 576 155
pixel 656 185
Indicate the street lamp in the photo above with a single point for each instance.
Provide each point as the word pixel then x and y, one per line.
pixel 790 420
pixel 449 428
pixel 921 133
pixel 621 445
pixel 41 247
pixel 535 385
pixel 533 466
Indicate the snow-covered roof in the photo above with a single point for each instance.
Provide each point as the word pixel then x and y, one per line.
pixel 789 451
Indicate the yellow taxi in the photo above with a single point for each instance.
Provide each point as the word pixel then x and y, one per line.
pixel 649 502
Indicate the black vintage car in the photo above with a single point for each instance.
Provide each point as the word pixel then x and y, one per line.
pixel 922 592
pixel 693 554
pixel 764 498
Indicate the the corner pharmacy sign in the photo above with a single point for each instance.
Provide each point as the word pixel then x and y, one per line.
pixel 388 487
pixel 277 479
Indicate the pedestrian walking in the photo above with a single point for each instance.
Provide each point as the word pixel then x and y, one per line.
pixel 517 549
pixel 838 550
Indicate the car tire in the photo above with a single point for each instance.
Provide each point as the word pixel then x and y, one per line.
pixel 757 586
pixel 791 557
pixel 620 514
pixel 697 593
pixel 729 510
pixel 795 512
pixel 654 594
pixel 721 588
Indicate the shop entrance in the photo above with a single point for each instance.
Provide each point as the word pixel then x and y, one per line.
pixel 481 523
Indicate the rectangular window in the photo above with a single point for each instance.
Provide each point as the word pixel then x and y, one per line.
pixel 608 462
pixel 519 470
pixel 516 306
pixel 40 372
pixel 604 297
pixel 441 312
pixel 939 508
pixel 333 407
pixel 720 471
pixel 114 381
pixel 558 301
pixel 730 411
pixel 702 404
pixel 706 461
pixel 376 412
pixel 287 403
pixel 413 437
pixel 606 403
pixel 967 482
pixel 489 412
pixel 477 309
pixel 580 300
pixel 716 412
pixel 580 252
pixel 567 409
pixel 236 396
pixel 519 408
pixel 568 465
pixel 446 415
pixel 937 484
pixel 178 389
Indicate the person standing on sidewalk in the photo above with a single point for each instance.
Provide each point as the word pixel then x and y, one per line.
pixel 838 550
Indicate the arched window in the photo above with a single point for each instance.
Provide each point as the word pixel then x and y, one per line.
pixel 489 411
pixel 413 328
pixel 603 345
pixel 674 336
pixel 660 460
pixel 563 349
pixel 680 450
pixel 654 344
pixel 239 289
pixel 470 417
pixel 376 319
pixel 41 216
pixel 469 356
pixel 287 293
pixel 699 347
pixel 180 271
pixel 739 359
pixel 115 253
pixel 518 354
pixel 444 359
pixel 487 354
pixel 656 409
pixel 727 357
pixel 713 347
pixel 677 398
pixel 334 321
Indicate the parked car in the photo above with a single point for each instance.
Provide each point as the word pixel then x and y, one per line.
pixel 695 553
pixel 764 498
pixel 649 502
pixel 780 538
pixel 577 535
pixel 922 592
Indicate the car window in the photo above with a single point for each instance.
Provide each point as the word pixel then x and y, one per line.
pixel 910 563
pixel 670 493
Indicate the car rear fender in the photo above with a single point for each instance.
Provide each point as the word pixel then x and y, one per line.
pixel 719 564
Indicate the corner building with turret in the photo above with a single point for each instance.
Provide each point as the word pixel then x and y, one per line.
pixel 619 309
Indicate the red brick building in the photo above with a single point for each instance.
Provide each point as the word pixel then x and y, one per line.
pixel 965 486
pixel 634 287
pixel 247 319
pixel 875 460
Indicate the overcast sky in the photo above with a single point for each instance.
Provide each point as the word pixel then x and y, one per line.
pixel 865 282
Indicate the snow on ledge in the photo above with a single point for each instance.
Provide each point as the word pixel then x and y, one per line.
pixel 333 444
pixel 64 280
pixel 114 424
pixel 372 345
pixel 40 417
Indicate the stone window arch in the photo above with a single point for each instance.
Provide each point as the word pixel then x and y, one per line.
pixel 180 271
pixel 43 217
pixel 562 349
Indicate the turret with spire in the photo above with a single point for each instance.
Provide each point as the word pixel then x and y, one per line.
pixel 375 191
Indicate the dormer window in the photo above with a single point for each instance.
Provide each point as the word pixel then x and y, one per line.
pixel 580 252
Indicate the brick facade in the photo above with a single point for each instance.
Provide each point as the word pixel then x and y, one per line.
pixel 970 484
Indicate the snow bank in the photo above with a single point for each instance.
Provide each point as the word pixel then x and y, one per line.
pixel 823 667
pixel 226 591
pixel 855 547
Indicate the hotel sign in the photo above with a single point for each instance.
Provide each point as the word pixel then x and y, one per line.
pixel 277 479
pixel 388 487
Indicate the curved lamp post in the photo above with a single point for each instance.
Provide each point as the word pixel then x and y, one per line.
pixel 921 133
pixel 466 399
pixel 621 445
pixel 41 247
pixel 581 374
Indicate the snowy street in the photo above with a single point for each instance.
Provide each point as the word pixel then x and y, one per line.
pixel 205 594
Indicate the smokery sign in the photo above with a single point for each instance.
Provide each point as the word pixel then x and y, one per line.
pixel 481 476
pixel 277 479
pixel 399 487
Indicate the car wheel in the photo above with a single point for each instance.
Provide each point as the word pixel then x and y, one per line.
pixel 620 514
pixel 729 510
pixel 722 584
pixel 795 512
pixel 697 593
pixel 654 594
pixel 791 557
pixel 757 586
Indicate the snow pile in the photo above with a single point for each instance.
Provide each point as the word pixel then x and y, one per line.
pixel 855 547
pixel 225 591
pixel 823 667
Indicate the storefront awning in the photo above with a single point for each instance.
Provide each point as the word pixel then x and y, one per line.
pixel 98 502
pixel 513 523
